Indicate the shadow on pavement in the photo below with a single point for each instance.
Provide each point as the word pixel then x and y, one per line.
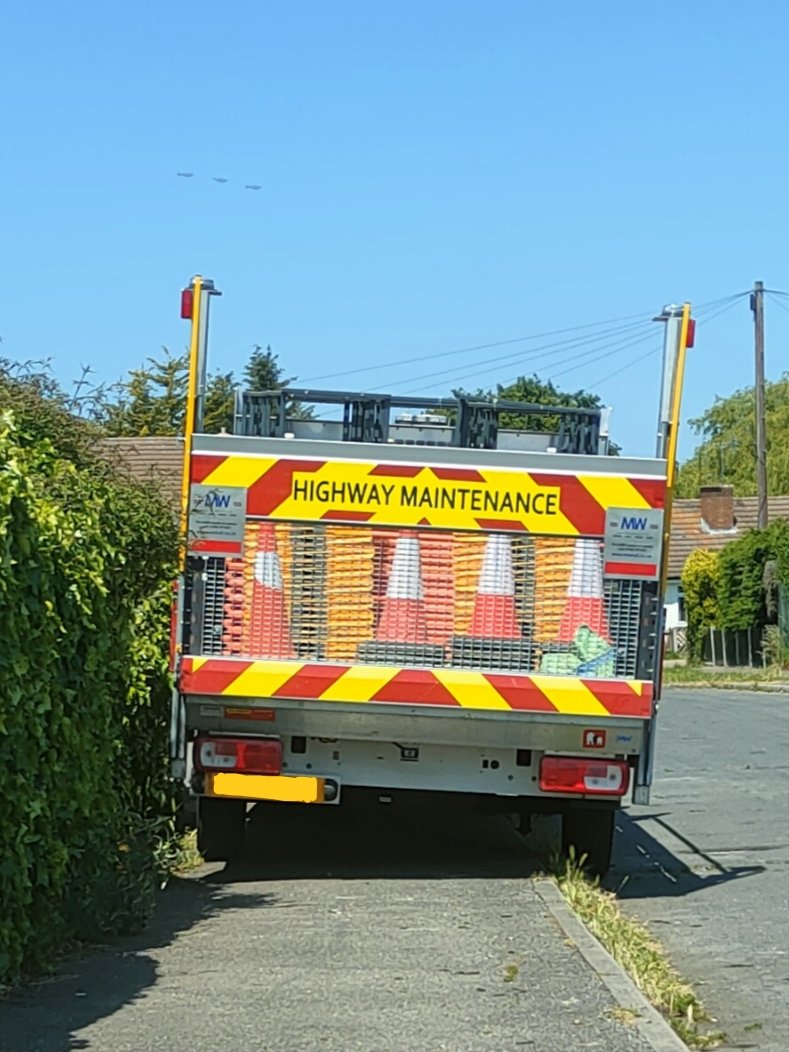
pixel 419 839
pixel 365 840
pixel 644 868
pixel 45 1015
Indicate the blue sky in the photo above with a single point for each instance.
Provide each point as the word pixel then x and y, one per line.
pixel 434 175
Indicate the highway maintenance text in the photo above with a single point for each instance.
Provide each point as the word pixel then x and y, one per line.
pixel 371 495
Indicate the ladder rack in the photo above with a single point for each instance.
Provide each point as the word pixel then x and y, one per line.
pixel 469 423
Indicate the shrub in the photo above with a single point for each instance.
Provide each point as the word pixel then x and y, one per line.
pixel 700 578
pixel 84 560
pixel 741 590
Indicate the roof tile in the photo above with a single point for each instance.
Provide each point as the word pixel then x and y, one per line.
pixel 156 459
pixel 687 534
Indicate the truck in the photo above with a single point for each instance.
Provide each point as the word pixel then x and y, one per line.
pixel 401 596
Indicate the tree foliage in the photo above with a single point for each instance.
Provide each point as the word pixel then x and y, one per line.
pixel 727 452
pixel 533 390
pixel 736 589
pixel 263 371
pixel 85 561
pixel 700 578
pixel 151 400
pixel 742 595
pixel 49 413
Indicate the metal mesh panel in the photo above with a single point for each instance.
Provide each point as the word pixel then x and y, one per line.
pixel 495 601
pixel 213 601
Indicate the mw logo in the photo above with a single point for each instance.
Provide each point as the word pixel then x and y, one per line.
pixel 632 522
pixel 217 500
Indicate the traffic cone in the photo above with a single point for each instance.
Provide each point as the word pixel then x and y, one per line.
pixel 269 628
pixel 494 611
pixel 401 634
pixel 496 638
pixel 403 613
pixel 585 606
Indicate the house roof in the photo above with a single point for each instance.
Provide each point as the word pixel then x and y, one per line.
pixel 687 533
pixel 152 459
pixel 159 460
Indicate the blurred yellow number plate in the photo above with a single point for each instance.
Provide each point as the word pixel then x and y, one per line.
pixel 292 788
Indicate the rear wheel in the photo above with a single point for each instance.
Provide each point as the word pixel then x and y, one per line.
pixel 590 833
pixel 220 828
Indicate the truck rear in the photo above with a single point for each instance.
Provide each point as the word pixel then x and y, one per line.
pixel 418 602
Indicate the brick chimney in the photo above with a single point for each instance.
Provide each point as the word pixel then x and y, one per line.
pixel 717 507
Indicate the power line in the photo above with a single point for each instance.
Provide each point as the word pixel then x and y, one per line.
pixel 630 364
pixel 467 350
pixel 722 310
pixel 548 350
pixel 705 312
pixel 588 357
pixel 701 321
pixel 644 316
pixel 776 301
pixel 536 354
pixel 591 357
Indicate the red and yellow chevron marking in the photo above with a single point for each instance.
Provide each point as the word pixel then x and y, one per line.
pixel 237 678
pixel 414 495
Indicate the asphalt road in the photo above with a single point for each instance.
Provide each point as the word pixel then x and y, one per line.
pixel 707 864
pixel 344 930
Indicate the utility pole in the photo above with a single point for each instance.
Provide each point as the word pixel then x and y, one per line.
pixel 757 306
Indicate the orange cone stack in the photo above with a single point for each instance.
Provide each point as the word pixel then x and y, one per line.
pixel 269 627
pixel 496 638
pixel 438 581
pixel 234 624
pixel 494 614
pixel 401 635
pixel 403 613
pixel 585 606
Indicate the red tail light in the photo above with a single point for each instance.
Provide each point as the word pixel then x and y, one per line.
pixel 570 774
pixel 244 755
pixel 691 333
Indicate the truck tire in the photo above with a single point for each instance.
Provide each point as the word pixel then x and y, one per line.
pixel 220 828
pixel 589 832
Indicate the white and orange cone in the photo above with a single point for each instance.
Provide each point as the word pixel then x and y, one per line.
pixel 269 626
pixel 585 606
pixel 495 615
pixel 401 636
pixel 403 608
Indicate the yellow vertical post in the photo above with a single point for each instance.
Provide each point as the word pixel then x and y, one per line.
pixel 673 438
pixel 191 402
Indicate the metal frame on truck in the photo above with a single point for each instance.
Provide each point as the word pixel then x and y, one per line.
pixel 419 601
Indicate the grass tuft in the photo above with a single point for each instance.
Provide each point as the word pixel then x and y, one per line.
pixel 633 946
pixel 711 676
pixel 186 856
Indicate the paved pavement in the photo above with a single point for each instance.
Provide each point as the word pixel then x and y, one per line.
pixel 707 863
pixel 343 931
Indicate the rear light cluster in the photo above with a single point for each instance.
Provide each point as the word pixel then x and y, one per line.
pixel 570 774
pixel 245 755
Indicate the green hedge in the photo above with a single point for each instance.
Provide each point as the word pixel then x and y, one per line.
pixel 736 588
pixel 700 581
pixel 741 588
pixel 85 558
